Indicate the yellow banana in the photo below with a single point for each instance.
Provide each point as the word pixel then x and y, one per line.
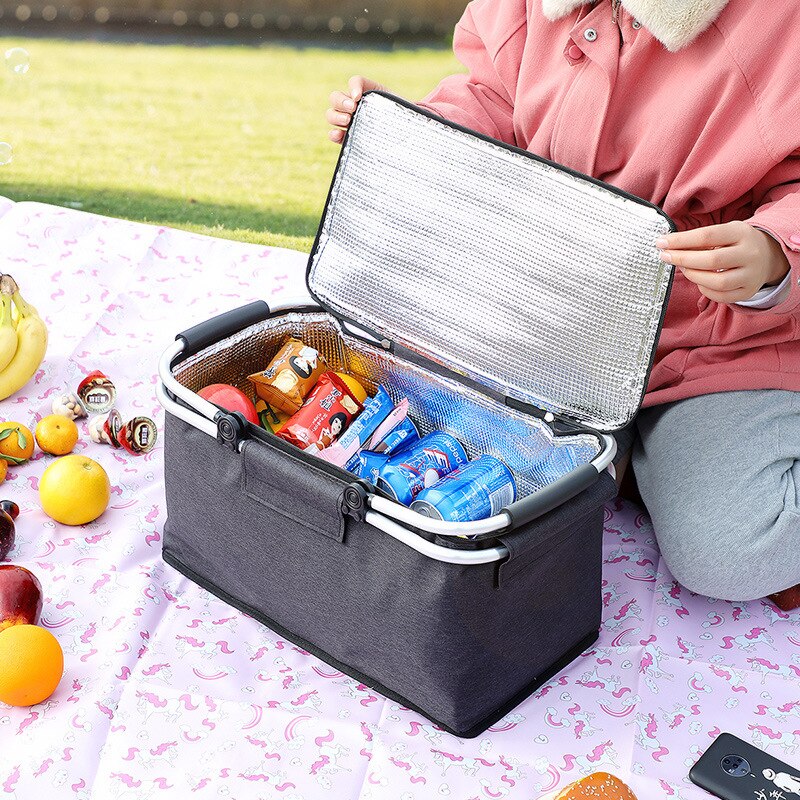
pixel 8 334
pixel 31 346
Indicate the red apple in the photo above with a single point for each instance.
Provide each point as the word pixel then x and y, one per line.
pixel 230 398
pixel 20 596
pixel 8 513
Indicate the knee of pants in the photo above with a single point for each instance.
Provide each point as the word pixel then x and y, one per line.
pixel 742 561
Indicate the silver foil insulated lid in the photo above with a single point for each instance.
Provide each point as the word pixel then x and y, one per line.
pixel 537 282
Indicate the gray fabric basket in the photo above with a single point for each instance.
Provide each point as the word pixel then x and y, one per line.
pixel 459 629
pixel 461 645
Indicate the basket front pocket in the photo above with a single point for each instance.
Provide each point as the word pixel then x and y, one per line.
pixel 293 488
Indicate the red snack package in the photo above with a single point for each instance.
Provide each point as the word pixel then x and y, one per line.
pixel 327 411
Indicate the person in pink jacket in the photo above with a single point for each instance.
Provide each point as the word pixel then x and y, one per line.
pixel 693 105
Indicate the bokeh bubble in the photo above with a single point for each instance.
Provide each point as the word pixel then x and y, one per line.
pixel 5 153
pixel 18 60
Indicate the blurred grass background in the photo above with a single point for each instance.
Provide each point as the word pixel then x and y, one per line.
pixel 228 141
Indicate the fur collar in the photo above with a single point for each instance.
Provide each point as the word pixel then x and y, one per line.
pixel 675 23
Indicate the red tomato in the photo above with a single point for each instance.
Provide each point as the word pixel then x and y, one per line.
pixel 230 398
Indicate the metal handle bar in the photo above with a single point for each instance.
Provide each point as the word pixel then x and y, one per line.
pixel 205 411
pixel 435 551
pixel 528 508
pixel 385 513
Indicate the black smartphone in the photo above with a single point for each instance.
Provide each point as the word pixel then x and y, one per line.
pixel 732 769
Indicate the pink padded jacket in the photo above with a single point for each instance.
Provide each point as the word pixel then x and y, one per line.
pixel 691 104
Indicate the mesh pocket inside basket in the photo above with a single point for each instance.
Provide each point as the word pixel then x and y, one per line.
pixel 481 424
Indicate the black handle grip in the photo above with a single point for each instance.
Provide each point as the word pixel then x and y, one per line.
pixel 558 492
pixel 212 330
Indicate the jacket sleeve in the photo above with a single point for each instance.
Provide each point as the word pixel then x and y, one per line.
pixel 489 41
pixel 778 213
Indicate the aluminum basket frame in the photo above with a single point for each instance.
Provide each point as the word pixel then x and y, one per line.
pixel 384 514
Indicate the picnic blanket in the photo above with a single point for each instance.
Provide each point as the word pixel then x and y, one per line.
pixel 169 692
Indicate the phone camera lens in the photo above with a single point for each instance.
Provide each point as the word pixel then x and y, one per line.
pixel 736 766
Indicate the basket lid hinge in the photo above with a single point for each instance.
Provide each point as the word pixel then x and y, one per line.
pixel 560 424
pixel 231 429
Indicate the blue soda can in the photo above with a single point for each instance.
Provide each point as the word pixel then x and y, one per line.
pixel 370 464
pixel 477 490
pixel 398 438
pixel 366 463
pixel 420 465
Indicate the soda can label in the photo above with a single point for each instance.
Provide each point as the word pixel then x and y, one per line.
pixel 477 490
pixel 369 465
pixel 420 465
pixel 399 437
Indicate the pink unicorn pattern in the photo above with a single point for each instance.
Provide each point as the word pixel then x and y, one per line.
pixel 169 692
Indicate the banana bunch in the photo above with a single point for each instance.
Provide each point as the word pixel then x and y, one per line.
pixel 23 341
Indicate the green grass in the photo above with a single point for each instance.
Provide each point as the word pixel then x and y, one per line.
pixel 224 140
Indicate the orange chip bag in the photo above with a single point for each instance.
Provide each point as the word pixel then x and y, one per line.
pixel 290 376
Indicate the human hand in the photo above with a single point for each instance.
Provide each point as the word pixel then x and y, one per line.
pixel 343 105
pixel 728 262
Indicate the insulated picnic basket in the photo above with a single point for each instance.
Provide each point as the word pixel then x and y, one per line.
pixel 516 304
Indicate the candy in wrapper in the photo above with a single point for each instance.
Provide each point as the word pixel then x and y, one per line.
pixel 105 428
pixel 345 448
pixel 396 416
pixel 290 376
pixel 138 436
pixel 270 418
pixel 329 409
pixel 97 393
pixel 69 405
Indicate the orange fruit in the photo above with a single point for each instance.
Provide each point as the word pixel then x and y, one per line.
pixel 31 665
pixel 56 434
pixel 16 442
pixel 359 392
pixel 74 490
pixel 3 469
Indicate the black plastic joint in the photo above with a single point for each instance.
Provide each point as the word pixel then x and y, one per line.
pixel 355 500
pixel 231 429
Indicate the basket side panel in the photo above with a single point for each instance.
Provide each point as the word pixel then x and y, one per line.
pixel 441 638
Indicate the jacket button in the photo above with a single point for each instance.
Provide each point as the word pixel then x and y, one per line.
pixel 575 53
pixel 636 24
pixel 795 238
pixel 590 34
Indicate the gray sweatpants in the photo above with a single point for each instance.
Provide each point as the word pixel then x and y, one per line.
pixel 720 476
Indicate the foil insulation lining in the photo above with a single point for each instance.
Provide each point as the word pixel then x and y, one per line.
pixel 533 281
pixel 526 444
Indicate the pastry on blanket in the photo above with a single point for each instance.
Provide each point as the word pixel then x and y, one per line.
pixel 597 786
pixel 788 599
